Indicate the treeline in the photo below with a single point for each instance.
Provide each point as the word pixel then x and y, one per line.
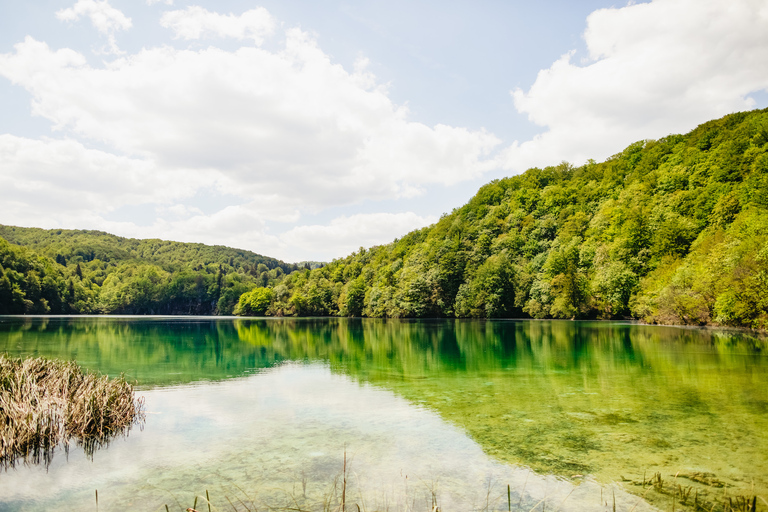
pixel 74 272
pixel 673 230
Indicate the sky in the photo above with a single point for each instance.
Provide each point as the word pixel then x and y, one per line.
pixel 304 130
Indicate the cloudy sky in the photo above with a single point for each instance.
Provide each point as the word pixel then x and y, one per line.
pixel 303 130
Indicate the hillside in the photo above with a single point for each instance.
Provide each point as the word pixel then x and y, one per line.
pixel 76 271
pixel 673 230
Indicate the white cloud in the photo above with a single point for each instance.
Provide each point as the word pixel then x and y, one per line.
pixel 196 22
pixel 280 133
pixel 346 234
pixel 61 183
pixel 654 69
pixel 105 18
pixel 244 226
pixel 153 2
pixel 64 175
pixel 287 123
pixel 241 226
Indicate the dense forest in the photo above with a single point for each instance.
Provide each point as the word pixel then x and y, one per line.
pixel 673 230
pixel 75 271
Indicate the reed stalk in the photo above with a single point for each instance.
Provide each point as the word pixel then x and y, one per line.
pixel 45 403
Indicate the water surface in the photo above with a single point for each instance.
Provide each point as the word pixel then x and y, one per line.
pixel 568 414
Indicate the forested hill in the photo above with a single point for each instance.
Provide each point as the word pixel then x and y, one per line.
pixel 673 230
pixel 670 231
pixel 76 271
pixel 85 245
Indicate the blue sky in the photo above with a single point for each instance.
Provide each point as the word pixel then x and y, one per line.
pixel 303 130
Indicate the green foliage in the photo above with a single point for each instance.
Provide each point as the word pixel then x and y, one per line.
pixel 490 293
pixel 255 302
pixel 65 271
pixel 724 279
pixel 29 283
pixel 354 299
pixel 669 231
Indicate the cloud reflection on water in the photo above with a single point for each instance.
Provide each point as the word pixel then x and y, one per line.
pixel 263 434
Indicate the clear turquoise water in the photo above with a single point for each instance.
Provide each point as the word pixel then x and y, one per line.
pixel 260 413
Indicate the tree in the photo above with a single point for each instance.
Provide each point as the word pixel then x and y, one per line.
pixel 254 303
pixel 355 299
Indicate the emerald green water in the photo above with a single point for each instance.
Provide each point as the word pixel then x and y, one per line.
pixel 259 412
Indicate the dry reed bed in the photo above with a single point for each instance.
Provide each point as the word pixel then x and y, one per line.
pixel 45 403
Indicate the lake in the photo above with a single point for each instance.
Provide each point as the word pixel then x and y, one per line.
pixel 462 414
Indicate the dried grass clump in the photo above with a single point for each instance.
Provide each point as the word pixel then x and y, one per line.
pixel 44 403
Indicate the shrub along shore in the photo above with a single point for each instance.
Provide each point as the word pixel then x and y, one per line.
pixel 45 403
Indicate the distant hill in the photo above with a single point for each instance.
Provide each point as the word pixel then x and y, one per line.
pixel 673 230
pixel 79 271
pixel 76 245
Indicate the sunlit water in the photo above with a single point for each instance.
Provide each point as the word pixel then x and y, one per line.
pixel 260 414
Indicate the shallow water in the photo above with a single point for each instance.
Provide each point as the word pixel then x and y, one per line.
pixel 260 412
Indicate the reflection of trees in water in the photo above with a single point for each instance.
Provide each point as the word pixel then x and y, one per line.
pixel 559 396
pixel 182 350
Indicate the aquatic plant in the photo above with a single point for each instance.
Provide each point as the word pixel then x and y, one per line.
pixel 45 403
pixel 706 493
